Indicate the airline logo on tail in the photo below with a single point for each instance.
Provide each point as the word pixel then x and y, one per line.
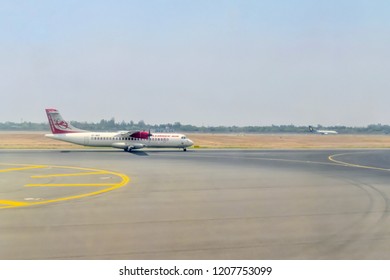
pixel 61 124
pixel 58 125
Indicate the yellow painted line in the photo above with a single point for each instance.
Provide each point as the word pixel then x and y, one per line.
pixel 13 203
pixel 68 174
pixel 69 185
pixel 331 158
pixel 125 180
pixel 269 159
pixel 22 168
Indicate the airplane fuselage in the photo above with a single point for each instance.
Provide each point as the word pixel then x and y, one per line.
pixel 116 140
pixel 325 132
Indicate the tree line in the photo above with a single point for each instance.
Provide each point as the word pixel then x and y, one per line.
pixel 112 125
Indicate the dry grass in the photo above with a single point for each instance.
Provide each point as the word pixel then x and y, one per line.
pixel 37 140
pixel 290 141
pixel 31 140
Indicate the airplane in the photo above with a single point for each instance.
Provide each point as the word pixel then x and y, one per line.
pixel 126 140
pixel 324 132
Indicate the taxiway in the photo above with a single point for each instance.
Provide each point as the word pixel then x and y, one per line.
pixel 202 204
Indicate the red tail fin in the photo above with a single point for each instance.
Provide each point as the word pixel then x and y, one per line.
pixel 58 125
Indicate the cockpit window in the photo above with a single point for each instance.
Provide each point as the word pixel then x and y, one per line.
pixel 183 137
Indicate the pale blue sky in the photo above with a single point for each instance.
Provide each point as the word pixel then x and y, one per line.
pixel 197 62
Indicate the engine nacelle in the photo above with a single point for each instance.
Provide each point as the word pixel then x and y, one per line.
pixel 141 134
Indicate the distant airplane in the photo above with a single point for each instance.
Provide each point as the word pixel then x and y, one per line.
pixel 126 140
pixel 325 132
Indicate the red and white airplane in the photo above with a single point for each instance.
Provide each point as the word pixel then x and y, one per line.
pixel 126 140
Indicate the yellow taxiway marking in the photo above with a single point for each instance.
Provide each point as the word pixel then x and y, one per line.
pixel 110 186
pixel 69 185
pixel 331 158
pixel 68 174
pixel 13 203
pixel 22 168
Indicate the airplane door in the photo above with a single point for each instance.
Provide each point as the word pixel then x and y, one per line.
pixel 86 140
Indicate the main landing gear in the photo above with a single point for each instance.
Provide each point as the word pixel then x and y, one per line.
pixel 184 149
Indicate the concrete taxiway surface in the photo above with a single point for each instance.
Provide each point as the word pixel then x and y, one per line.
pixel 202 204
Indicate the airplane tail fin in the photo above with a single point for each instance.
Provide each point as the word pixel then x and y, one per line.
pixel 311 128
pixel 58 125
